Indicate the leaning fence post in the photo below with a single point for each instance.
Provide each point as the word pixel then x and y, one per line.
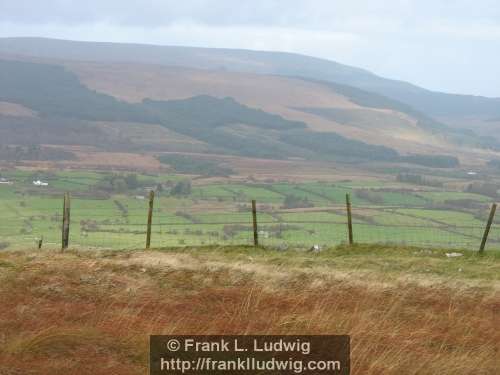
pixel 349 218
pixel 488 227
pixel 150 218
pixel 66 220
pixel 254 216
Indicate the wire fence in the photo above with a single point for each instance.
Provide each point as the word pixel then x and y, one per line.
pixel 113 224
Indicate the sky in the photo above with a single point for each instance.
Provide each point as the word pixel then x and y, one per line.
pixel 444 45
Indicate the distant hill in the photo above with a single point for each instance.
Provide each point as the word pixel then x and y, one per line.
pixel 429 102
pixel 56 108
pixel 224 124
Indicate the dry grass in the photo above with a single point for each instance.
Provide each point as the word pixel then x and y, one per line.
pixel 92 312
pixel 279 95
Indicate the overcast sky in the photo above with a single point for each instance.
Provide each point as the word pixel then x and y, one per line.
pixel 446 45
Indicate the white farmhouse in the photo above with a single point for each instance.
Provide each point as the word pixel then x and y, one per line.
pixel 40 183
pixel 4 181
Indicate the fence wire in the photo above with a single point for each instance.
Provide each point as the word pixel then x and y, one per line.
pixel 114 224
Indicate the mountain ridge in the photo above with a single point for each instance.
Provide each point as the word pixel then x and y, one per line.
pixel 432 103
pixel 56 95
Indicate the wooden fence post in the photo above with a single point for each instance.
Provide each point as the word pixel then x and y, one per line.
pixel 66 221
pixel 150 218
pixel 349 218
pixel 255 232
pixel 488 227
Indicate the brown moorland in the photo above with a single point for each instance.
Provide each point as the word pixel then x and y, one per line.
pixel 90 312
pixel 273 94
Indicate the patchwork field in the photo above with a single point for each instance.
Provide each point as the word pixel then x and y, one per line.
pixel 107 213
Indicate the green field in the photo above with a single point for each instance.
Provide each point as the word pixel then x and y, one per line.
pixel 219 213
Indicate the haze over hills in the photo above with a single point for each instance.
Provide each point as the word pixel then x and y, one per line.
pixel 429 102
pixel 269 105
pixel 57 97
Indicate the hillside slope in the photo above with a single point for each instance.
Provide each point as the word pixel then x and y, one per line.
pixel 357 113
pixel 226 126
pixel 288 97
pixel 432 103
pixel 207 111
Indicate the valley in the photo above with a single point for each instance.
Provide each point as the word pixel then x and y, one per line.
pixel 149 190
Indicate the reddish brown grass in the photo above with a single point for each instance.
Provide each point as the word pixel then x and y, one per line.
pixel 68 314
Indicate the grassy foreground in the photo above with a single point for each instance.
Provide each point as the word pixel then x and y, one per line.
pixel 408 310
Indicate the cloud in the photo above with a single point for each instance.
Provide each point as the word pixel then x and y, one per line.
pixel 316 14
pixel 486 31
pixel 428 42
pixel 284 39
